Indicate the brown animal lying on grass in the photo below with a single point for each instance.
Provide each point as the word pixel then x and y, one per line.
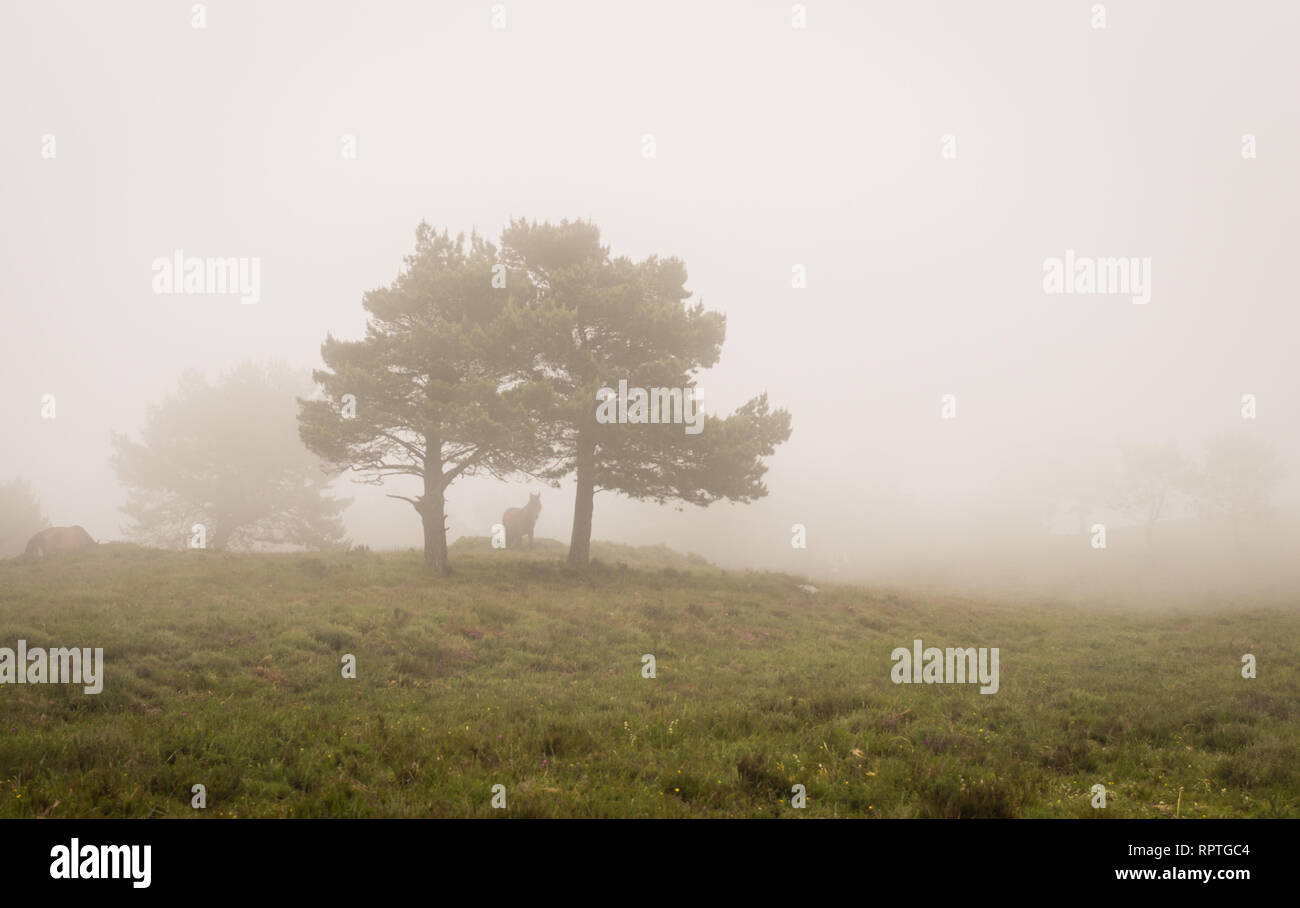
pixel 54 540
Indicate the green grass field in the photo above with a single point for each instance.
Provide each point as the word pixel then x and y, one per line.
pixel 225 670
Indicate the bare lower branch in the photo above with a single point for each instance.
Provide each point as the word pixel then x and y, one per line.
pixel 414 503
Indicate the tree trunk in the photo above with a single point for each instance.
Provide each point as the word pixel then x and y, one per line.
pixel 435 538
pixel 433 515
pixel 580 541
pixel 1154 515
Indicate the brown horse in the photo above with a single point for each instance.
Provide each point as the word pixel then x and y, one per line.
pixel 53 540
pixel 519 521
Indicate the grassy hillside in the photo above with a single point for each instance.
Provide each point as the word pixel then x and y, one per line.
pixel 225 670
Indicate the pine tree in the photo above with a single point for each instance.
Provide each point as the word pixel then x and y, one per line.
pixel 439 384
pixel 609 320
pixel 227 456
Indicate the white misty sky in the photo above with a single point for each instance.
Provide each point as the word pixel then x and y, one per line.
pixel 775 146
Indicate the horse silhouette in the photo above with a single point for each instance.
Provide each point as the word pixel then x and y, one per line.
pixel 519 521
pixel 54 540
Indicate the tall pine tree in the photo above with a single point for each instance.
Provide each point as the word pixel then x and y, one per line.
pixel 608 320
pixel 439 386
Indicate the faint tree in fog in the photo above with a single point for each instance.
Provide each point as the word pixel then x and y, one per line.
pixel 1240 474
pixel 228 456
pixel 1086 480
pixel 1151 474
pixel 20 516
pixel 439 381
pixel 611 319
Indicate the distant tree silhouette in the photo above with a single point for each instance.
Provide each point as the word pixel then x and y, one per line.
pixel 1240 475
pixel 1151 474
pixel 20 516
pixel 227 455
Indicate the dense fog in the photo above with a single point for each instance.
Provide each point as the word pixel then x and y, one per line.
pixel 890 205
